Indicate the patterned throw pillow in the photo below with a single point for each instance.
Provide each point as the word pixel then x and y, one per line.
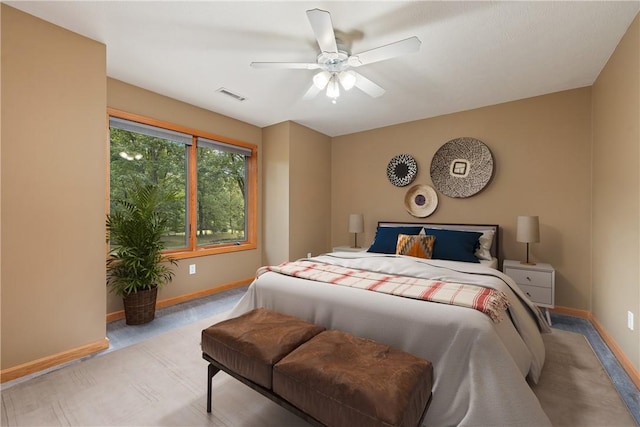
pixel 419 246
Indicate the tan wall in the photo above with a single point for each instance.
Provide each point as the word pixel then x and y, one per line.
pixel 541 150
pixel 275 175
pixel 310 186
pixel 54 81
pixel 53 188
pixel 213 270
pixel 297 176
pixel 616 194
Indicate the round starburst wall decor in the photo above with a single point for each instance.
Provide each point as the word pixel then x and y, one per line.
pixel 402 170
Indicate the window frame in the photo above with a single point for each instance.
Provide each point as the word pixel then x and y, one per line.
pixel 193 250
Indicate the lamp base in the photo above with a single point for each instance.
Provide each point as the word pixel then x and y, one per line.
pixel 355 243
pixel 527 262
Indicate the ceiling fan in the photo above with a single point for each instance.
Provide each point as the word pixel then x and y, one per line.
pixel 336 65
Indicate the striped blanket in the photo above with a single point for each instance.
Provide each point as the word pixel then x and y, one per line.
pixel 487 300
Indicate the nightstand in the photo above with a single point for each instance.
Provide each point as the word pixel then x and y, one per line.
pixel 348 249
pixel 537 281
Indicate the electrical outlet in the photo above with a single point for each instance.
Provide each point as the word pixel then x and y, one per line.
pixel 192 269
pixel 630 320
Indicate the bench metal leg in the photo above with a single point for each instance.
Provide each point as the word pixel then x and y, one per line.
pixel 215 367
pixel 211 371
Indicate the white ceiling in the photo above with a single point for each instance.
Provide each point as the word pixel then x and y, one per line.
pixel 473 54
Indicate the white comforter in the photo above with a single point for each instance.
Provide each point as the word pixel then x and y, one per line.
pixel 479 366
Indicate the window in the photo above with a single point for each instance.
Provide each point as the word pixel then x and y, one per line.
pixel 221 206
pixel 213 181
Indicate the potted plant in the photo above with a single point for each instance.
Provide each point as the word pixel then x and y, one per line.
pixel 136 266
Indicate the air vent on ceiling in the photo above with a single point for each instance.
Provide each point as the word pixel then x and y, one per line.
pixel 231 94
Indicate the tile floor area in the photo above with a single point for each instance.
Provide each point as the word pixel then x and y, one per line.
pixel 120 335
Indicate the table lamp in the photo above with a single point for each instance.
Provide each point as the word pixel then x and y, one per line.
pixel 356 225
pixel 528 231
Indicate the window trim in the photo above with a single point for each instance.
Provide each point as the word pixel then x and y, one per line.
pixel 251 219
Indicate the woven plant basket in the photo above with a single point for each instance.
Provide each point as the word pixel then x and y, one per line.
pixel 140 306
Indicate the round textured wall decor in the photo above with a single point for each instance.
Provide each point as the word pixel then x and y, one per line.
pixel 421 200
pixel 462 167
pixel 402 170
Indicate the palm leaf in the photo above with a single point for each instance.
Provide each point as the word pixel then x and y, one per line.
pixel 135 229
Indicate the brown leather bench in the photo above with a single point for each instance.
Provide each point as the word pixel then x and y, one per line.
pixel 329 378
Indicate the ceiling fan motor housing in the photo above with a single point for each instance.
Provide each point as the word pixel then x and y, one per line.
pixel 334 62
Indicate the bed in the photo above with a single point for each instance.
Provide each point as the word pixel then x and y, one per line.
pixel 482 363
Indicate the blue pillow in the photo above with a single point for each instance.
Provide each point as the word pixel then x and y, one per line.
pixel 454 245
pixel 387 238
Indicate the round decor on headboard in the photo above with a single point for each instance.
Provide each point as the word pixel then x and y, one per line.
pixel 462 167
pixel 402 170
pixel 421 200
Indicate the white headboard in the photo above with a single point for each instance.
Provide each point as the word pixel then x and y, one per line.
pixel 462 227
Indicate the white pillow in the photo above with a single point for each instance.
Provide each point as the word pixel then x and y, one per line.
pixel 486 240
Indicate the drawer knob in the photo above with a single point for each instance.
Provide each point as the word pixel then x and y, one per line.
pixel 528 294
pixel 528 278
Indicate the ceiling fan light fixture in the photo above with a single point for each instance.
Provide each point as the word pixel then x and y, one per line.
pixel 335 59
pixel 347 79
pixel 321 79
pixel 333 89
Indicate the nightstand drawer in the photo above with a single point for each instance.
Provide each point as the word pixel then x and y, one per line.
pixel 537 281
pixel 538 295
pixel 530 278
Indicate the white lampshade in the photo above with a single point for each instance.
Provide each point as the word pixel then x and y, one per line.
pixel 356 223
pixel 528 229
pixel 333 89
pixel 347 79
pixel 321 79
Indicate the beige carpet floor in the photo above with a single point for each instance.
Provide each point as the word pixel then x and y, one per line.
pixel 162 382
pixel 574 388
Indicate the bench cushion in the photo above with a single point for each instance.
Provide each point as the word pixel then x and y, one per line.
pixel 252 343
pixel 344 380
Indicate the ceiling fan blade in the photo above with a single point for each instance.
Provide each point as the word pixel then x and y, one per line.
pixel 367 86
pixel 402 47
pixel 320 21
pixel 294 65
